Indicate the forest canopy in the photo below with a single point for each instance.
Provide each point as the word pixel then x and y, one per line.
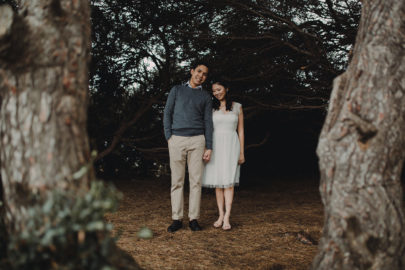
pixel 280 58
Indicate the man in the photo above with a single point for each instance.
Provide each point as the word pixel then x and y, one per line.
pixel 187 122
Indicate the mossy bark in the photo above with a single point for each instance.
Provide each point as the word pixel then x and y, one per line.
pixel 44 55
pixel 361 149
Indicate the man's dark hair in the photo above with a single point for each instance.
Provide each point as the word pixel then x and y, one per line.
pixel 199 62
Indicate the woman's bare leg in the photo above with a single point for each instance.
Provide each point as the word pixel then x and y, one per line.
pixel 228 194
pixel 219 193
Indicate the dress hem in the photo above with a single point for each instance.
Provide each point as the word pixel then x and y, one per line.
pixel 221 186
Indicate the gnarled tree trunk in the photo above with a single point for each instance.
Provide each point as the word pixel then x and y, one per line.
pixel 361 149
pixel 44 53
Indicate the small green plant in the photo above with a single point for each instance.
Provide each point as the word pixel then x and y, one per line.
pixel 67 231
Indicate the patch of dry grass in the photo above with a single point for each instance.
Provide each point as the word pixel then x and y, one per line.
pixel 265 221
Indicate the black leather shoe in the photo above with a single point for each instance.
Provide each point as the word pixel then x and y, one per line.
pixel 175 226
pixel 194 226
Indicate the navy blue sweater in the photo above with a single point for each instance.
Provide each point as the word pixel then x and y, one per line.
pixel 188 112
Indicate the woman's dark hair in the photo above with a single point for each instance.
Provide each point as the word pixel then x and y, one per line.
pixel 228 98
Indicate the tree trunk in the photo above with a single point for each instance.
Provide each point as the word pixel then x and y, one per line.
pixel 361 149
pixel 44 54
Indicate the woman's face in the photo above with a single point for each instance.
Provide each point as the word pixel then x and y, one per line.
pixel 218 91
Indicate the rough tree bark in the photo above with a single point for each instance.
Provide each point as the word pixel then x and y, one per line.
pixel 44 54
pixel 361 149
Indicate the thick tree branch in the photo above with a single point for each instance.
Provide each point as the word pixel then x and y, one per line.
pixel 164 150
pixel 284 106
pixel 254 145
pixel 124 127
pixel 153 150
pixel 261 11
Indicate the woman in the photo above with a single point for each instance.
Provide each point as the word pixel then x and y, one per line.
pixel 222 172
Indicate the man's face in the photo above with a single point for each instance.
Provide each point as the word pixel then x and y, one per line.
pixel 198 75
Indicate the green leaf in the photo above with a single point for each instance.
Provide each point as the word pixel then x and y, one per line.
pixel 95 226
pixel 47 207
pixel 80 173
pixel 94 153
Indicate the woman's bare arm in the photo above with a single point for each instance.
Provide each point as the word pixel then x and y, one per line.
pixel 241 134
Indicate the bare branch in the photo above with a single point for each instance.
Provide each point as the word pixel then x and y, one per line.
pixel 153 150
pixel 265 139
pixel 285 106
pixel 124 127
pixel 262 11
pixel 268 36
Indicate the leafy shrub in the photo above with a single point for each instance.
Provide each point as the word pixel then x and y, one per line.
pixel 67 231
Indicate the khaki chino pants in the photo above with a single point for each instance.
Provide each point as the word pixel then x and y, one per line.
pixel 184 150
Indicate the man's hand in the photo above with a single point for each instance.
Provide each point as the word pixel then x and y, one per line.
pixel 207 155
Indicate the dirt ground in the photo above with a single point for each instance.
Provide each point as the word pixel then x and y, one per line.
pixel 271 225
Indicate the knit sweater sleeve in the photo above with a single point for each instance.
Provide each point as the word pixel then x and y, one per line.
pixel 208 124
pixel 168 113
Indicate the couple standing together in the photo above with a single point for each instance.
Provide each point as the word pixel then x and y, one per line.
pixel 206 134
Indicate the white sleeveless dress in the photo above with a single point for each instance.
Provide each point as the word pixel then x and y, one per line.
pixel 223 170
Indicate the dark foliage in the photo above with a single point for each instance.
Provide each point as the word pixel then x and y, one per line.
pixel 65 231
pixel 277 55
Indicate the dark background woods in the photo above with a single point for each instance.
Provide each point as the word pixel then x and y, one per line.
pixel 280 57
